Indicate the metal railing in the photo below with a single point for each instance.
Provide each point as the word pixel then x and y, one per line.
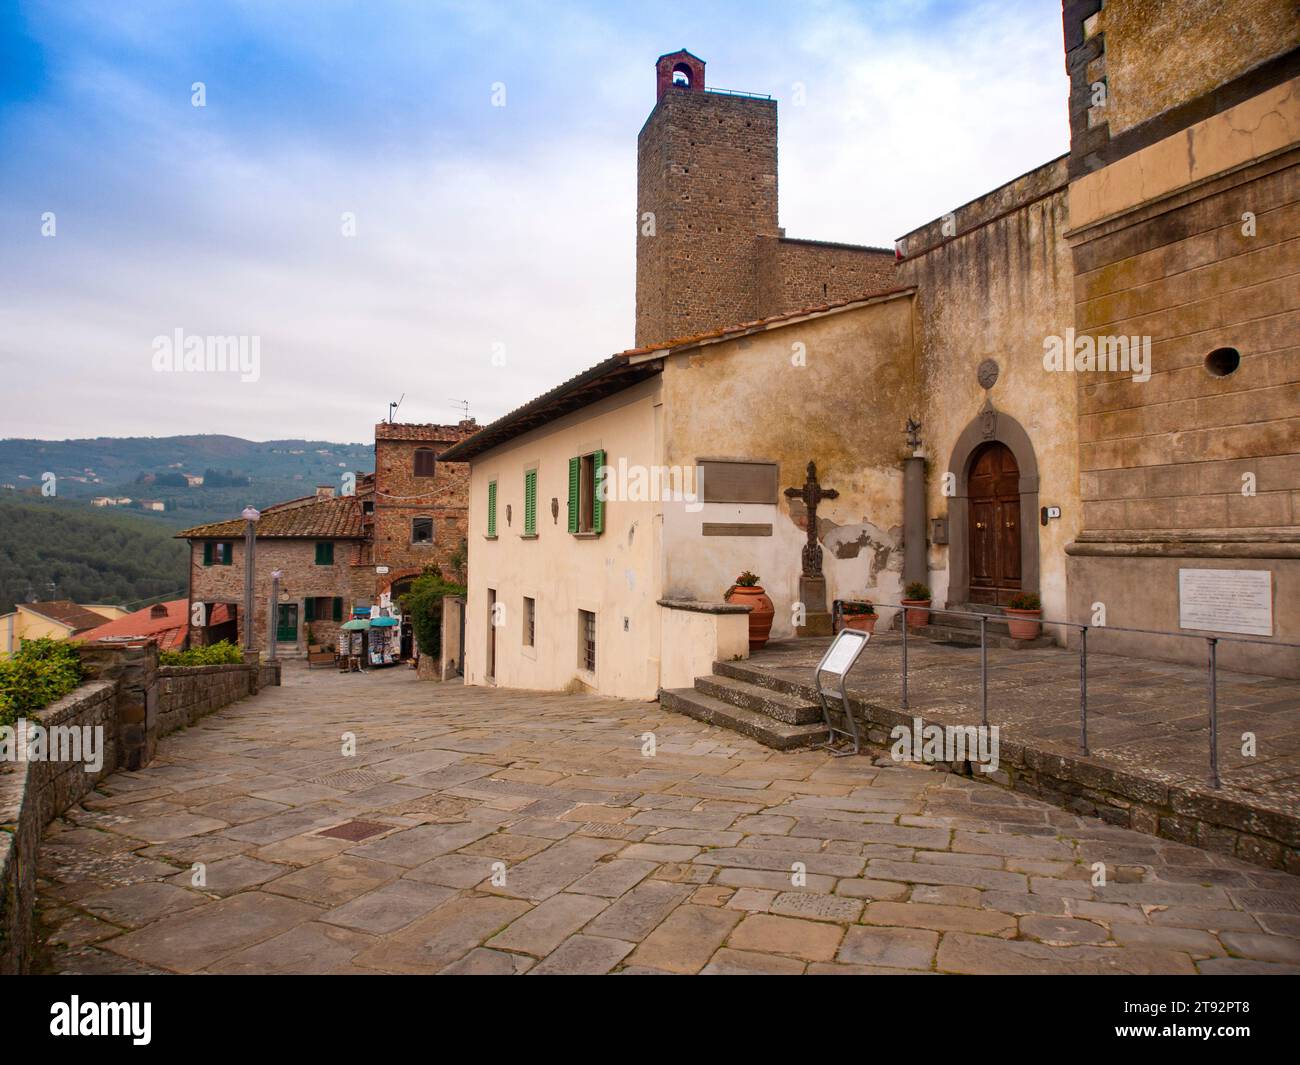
pixel 1212 643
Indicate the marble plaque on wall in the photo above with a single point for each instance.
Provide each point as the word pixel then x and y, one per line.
pixel 1226 600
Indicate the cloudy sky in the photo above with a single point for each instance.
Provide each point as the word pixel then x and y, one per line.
pixel 480 230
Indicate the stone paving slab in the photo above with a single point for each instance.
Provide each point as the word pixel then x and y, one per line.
pixel 525 833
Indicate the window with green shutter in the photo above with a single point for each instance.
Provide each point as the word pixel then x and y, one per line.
pixel 530 502
pixel 325 553
pixel 309 606
pixel 220 553
pixel 207 552
pixel 586 508
pixel 492 508
pixel 575 489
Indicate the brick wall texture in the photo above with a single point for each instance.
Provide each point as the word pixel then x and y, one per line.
pixel 712 254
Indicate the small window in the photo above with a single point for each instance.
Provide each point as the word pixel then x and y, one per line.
pixel 424 461
pixel 325 553
pixel 421 530
pixel 218 554
pixel 530 621
pixel 368 507
pixel 586 508
pixel 587 640
pixel 492 509
pixel 323 608
pixel 530 503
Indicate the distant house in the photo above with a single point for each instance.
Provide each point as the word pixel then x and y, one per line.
pixel 103 501
pixel 337 553
pixel 194 480
pixel 59 619
pixel 152 504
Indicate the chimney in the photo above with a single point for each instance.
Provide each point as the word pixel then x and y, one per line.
pixel 324 491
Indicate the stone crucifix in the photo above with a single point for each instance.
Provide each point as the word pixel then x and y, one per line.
pixel 812 493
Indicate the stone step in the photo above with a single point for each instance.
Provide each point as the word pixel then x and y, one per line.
pixel 758 678
pixel 951 634
pixel 751 723
pixel 788 709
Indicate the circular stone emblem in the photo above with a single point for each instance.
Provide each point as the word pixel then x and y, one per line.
pixel 987 374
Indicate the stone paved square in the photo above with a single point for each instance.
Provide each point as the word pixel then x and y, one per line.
pixel 522 832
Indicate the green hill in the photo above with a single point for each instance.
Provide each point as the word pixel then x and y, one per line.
pixel 236 472
pixel 91 556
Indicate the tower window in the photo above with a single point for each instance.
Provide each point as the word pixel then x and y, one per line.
pixel 1222 361
pixel 424 462
pixel 682 76
pixel 421 530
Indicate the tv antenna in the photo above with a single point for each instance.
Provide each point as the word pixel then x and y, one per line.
pixel 392 408
pixel 464 406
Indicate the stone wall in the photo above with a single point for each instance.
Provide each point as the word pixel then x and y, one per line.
pixel 33 793
pixel 796 274
pixel 135 702
pixel 187 693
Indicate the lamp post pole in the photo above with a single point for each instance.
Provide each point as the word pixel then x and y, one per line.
pixel 271 611
pixel 250 516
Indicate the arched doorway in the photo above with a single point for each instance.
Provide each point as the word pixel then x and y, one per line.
pixel 993 492
pixel 995 473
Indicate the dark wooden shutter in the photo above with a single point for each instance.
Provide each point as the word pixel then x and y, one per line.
pixel 338 608
pixel 207 552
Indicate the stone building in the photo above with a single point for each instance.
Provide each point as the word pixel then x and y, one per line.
pixel 1101 354
pixel 709 250
pixel 337 552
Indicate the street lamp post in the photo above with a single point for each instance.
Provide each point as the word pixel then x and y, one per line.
pixel 250 516
pixel 271 614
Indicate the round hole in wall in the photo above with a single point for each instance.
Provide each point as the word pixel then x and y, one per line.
pixel 1222 361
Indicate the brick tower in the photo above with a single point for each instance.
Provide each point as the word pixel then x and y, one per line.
pixel 706 172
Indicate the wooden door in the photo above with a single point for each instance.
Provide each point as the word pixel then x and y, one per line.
pixel 286 629
pixel 994 494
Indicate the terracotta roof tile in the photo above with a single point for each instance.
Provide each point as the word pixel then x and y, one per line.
pixel 168 631
pixel 309 517
pixel 66 612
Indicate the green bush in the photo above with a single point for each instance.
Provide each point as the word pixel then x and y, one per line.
pixel 917 590
pixel 423 605
pixel 224 653
pixel 1025 601
pixel 39 673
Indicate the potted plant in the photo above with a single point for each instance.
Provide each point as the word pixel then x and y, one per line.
pixel 916 597
pixel 748 592
pixel 859 614
pixel 1023 611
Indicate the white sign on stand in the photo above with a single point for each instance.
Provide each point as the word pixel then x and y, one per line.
pixel 844 651
pixel 1226 600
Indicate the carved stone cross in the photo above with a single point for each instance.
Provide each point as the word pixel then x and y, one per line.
pixel 812 493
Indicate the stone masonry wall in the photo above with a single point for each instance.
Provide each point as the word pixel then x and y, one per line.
pixel 794 274
pixel 134 702
pixel 31 795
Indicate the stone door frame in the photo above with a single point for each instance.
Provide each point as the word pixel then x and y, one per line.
pixel 988 426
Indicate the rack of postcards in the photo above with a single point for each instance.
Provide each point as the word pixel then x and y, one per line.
pixel 385 635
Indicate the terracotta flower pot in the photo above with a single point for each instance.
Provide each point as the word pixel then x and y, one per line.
pixel 917 617
pixel 863 622
pixel 760 614
pixel 1023 624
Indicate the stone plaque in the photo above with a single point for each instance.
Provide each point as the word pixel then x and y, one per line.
pixel 736 528
pixel 738 482
pixel 1226 600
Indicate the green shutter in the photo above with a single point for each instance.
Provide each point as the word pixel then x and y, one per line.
pixel 597 504
pixel 207 552
pixel 492 508
pixel 228 559
pixel 325 553
pixel 530 503
pixel 311 609
pixel 338 608
pixel 575 484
